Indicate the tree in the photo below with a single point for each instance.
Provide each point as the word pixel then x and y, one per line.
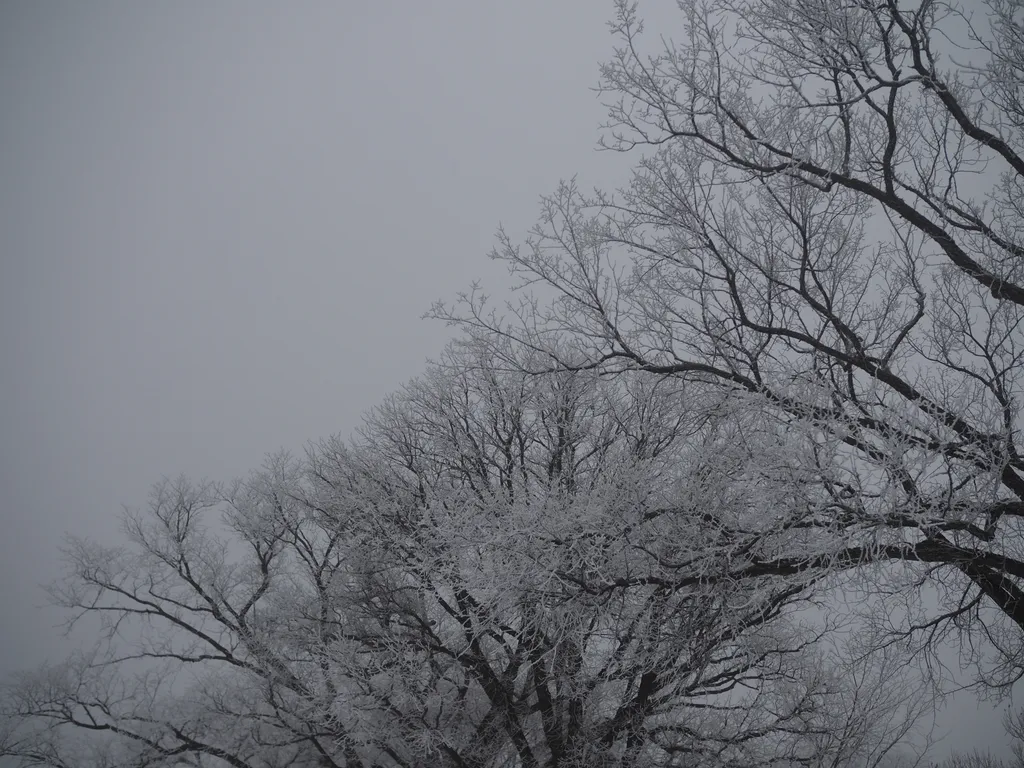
pixel 825 222
pixel 418 599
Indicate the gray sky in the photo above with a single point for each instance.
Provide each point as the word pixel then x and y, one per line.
pixel 221 222
pixel 220 227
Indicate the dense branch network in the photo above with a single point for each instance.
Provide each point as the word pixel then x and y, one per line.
pixel 825 223
pixel 427 596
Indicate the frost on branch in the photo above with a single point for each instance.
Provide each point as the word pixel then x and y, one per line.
pixel 824 224
pixel 504 569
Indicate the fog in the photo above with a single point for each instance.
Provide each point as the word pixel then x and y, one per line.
pixel 220 225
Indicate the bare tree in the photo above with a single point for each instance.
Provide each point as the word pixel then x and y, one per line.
pixel 825 222
pixel 422 598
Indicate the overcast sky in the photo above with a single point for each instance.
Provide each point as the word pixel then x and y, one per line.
pixel 220 224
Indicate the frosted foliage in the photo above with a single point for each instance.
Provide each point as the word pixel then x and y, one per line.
pixel 603 528
pixel 824 225
pixel 505 569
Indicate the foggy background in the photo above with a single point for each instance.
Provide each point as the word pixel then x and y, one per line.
pixel 220 224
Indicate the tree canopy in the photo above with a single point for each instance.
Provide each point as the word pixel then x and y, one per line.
pixel 825 217
pixel 604 527
pixel 421 598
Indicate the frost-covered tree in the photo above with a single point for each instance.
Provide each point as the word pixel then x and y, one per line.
pixel 424 596
pixel 826 222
